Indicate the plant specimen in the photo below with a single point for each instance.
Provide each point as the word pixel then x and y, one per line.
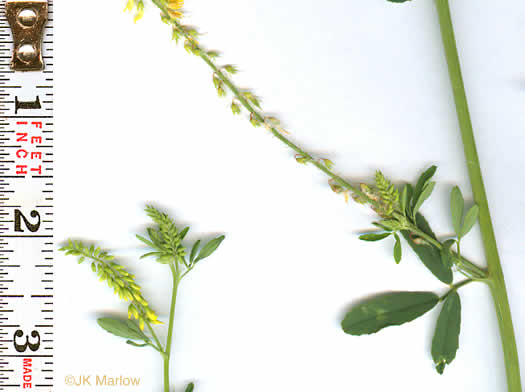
pixel 165 241
pixel 398 209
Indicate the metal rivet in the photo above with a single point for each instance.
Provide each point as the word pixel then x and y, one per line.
pixel 26 53
pixel 27 17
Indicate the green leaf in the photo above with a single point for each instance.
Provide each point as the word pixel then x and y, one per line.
pixel 427 253
pixel 424 195
pixel 446 256
pixel 421 182
pixel 397 249
pixel 123 328
pixel 456 208
pixel 183 233
pixel 387 309
pixel 403 200
pixel 446 336
pixel 410 195
pixel 209 248
pixel 398 1
pixel 381 225
pixel 132 343
pixel 194 249
pixel 470 218
pixel 373 236
pixel 150 254
pixel 189 388
pixel 146 241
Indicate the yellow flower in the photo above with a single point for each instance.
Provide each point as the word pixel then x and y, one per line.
pixel 130 5
pixel 140 11
pixel 175 4
pixel 174 7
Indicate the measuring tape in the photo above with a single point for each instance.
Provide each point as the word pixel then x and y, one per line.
pixel 26 195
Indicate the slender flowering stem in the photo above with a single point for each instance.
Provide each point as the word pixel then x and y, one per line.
pixel 167 352
pixel 478 272
pixel 497 282
pixel 158 346
pixel 307 157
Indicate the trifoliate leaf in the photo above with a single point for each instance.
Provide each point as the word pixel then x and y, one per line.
pixel 123 328
pixel 209 248
pixel 373 236
pixel 470 218
pixel 446 336
pixel 387 309
pixel 397 249
pixel 456 209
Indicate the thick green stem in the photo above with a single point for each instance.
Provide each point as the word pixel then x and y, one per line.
pixel 497 283
pixel 167 351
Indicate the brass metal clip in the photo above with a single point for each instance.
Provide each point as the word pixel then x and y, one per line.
pixel 27 20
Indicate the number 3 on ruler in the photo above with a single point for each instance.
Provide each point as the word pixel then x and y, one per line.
pixel 23 347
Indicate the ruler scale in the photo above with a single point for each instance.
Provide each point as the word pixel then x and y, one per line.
pixel 26 196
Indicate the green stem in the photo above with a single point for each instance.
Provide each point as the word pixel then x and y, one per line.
pixel 167 351
pixel 497 284
pixel 157 341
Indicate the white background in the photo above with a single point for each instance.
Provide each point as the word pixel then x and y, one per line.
pixel 363 83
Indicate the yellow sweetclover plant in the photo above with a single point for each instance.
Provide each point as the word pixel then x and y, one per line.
pixel 165 241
